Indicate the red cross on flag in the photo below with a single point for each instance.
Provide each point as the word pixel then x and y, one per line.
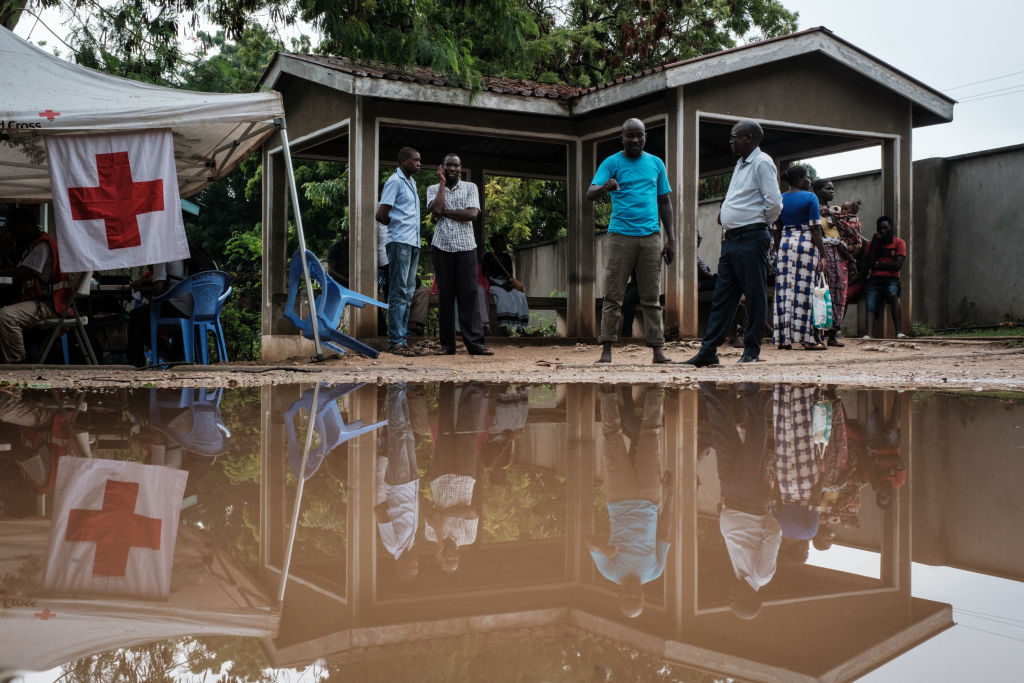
pixel 113 528
pixel 115 200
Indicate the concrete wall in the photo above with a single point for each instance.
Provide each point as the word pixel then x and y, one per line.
pixel 966 248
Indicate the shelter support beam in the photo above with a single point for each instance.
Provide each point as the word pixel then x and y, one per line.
pixel 580 241
pixel 275 244
pixel 896 202
pixel 362 228
pixel 683 177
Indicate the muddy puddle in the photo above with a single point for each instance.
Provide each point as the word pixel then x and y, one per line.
pixel 506 532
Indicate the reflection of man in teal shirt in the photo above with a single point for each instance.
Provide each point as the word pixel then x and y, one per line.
pixel 641 205
pixel 638 496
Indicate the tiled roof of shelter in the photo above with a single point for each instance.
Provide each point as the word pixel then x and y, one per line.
pixel 558 91
pixel 425 76
pixel 501 85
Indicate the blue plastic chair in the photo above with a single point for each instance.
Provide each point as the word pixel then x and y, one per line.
pixel 208 434
pixel 327 423
pixel 209 290
pixel 329 306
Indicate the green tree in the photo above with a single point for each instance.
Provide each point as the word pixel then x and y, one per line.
pixel 602 39
pixel 525 210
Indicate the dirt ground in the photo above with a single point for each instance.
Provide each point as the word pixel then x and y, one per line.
pixel 913 363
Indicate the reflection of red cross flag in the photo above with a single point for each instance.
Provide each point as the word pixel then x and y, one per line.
pixel 113 528
pixel 115 200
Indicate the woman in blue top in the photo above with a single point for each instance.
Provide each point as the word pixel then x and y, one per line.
pixel 801 255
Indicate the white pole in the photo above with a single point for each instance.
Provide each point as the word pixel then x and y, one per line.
pixel 298 496
pixel 282 129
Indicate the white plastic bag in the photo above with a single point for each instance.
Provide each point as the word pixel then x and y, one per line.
pixel 821 304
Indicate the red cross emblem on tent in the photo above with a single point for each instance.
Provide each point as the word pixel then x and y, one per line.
pixel 49 114
pixel 118 200
pixel 45 614
pixel 115 528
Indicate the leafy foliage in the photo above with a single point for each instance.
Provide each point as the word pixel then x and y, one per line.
pixel 525 210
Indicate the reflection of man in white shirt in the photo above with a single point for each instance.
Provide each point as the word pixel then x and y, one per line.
pixel 752 534
pixel 397 497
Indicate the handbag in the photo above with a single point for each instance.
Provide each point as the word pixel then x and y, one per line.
pixel 821 304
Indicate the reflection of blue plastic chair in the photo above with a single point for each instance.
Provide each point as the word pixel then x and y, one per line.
pixel 328 424
pixel 209 290
pixel 329 305
pixel 208 434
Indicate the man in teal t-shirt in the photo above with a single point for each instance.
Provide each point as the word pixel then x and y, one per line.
pixel 638 185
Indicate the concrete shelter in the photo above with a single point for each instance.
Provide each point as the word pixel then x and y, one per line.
pixel 813 92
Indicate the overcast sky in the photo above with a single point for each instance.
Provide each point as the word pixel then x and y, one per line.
pixel 945 45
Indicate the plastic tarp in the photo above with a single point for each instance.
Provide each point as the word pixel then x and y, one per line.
pixel 41 94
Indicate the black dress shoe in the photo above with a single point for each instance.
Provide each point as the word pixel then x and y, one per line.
pixel 702 361
pixel 482 351
pixel 748 358
pixel 444 352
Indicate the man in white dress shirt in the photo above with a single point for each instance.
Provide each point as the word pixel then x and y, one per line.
pixel 752 203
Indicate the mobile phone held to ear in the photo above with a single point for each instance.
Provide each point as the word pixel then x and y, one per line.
pixel 667 256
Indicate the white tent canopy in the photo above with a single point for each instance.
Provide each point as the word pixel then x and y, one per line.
pixel 41 94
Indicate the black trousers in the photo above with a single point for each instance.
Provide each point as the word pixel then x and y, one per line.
pixel 743 464
pixel 455 272
pixel 742 270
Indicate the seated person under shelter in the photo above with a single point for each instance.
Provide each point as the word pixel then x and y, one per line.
pixel 510 304
pixel 42 289
pixel 156 282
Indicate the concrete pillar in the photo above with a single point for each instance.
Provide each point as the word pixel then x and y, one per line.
pixel 579 418
pixel 362 527
pixel 905 217
pixel 362 203
pixel 686 133
pixel 676 285
pixel 580 241
pixel 275 244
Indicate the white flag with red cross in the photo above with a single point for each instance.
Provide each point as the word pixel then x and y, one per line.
pixel 115 200
pixel 113 528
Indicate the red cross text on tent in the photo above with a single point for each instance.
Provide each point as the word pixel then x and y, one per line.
pixel 115 528
pixel 49 114
pixel 118 200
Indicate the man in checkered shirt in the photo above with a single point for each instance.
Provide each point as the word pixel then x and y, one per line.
pixel 455 204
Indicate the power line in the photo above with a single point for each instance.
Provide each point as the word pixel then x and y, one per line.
pixel 991 92
pixel 984 80
pixel 989 97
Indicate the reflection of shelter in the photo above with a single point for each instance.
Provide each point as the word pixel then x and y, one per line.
pixel 361 115
pixel 815 623
pixel 210 595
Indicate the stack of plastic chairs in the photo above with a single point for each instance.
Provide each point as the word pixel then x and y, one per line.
pixel 329 306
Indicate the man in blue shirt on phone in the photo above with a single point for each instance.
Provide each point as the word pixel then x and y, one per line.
pixel 641 208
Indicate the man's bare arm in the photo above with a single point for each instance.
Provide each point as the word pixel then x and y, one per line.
pixel 383 214
pixel 595 192
pixel 667 218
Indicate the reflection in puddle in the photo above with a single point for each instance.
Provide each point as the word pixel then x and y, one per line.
pixel 491 532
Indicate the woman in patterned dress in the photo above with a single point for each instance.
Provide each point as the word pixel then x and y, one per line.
pixel 838 259
pixel 801 257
